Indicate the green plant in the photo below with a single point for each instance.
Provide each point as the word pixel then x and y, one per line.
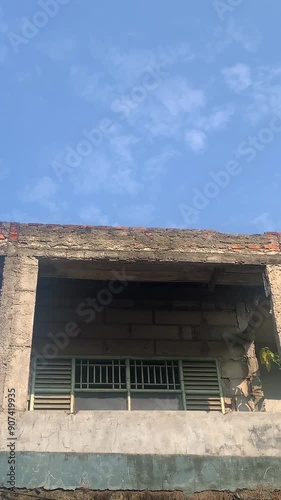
pixel 267 357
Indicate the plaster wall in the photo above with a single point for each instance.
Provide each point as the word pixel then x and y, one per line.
pixel 145 450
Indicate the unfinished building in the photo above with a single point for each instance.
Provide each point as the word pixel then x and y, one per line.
pixel 129 358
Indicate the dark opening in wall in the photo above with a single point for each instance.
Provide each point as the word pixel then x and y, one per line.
pixel 149 315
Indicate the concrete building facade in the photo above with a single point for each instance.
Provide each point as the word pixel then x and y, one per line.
pixel 129 359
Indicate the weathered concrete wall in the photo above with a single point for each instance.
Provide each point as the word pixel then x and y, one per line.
pixel 88 242
pixel 274 278
pixel 145 450
pixel 120 450
pixel 143 432
pixel 17 314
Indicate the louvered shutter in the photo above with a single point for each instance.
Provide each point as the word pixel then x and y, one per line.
pixel 201 385
pixel 52 385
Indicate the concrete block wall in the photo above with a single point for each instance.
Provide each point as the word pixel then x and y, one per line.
pixel 142 325
pixel 17 315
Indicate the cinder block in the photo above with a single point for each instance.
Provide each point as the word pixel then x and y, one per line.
pixel 27 275
pixel 122 303
pixel 128 316
pixel 105 331
pixel 85 314
pixel 178 317
pixel 222 350
pixel 17 376
pixel 180 348
pixel 216 318
pixel 186 304
pixel 155 332
pixel 91 348
pixel 235 369
pixel 130 348
pixel 208 305
pixel 187 333
pixel 210 333
pixel 69 347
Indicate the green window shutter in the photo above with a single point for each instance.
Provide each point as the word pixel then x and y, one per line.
pixel 202 385
pixel 52 382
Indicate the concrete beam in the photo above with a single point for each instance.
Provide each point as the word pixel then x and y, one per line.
pixel 17 315
pixel 274 278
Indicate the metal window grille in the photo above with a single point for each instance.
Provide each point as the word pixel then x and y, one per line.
pixel 54 383
pixel 100 374
pixel 154 375
pixel 51 387
pixel 201 383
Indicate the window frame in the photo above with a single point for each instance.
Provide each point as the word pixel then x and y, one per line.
pixel 128 390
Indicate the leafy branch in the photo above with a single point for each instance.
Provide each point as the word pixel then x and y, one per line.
pixel 267 357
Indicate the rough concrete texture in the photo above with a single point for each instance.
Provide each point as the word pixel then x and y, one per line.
pixel 274 277
pixel 141 432
pixel 148 244
pixel 17 315
pixel 83 494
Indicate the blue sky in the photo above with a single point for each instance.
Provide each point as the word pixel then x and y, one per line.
pixel 162 114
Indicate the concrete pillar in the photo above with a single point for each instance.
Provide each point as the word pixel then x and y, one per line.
pixel 17 315
pixel 274 278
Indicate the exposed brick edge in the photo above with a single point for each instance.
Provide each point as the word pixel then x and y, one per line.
pixel 14 231
pixel 10 232
pixel 274 244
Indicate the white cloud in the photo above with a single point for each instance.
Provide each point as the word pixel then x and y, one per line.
pixel 263 222
pixel 120 72
pixel 126 67
pixel 59 49
pixel 248 37
pixel 121 146
pixel 29 75
pixel 43 193
pixel 105 172
pixel 222 38
pixel 91 86
pixel 156 165
pixel 138 215
pixel 179 97
pixel 196 140
pixel 238 77
pixel 266 93
pixel 123 180
pixel 217 119
pixel 93 215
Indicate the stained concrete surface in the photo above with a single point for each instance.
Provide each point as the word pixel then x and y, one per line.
pixel 139 472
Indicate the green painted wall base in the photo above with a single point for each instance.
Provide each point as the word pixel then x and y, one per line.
pixel 137 472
